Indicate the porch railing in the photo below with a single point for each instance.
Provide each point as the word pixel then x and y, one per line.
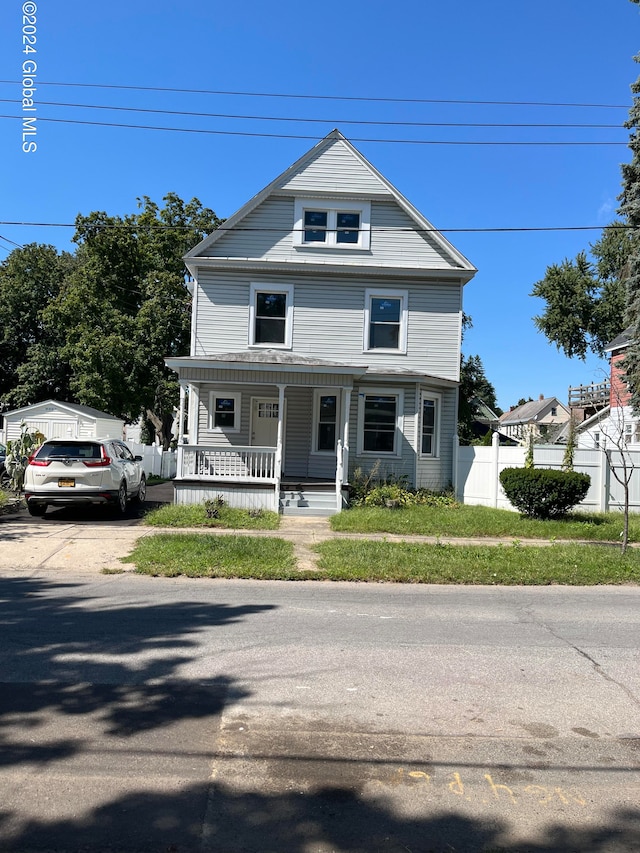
pixel 231 463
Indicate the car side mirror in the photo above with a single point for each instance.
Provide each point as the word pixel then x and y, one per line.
pixel 138 458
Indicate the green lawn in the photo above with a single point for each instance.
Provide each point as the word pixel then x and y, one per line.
pixel 270 558
pixel 513 564
pixel 468 521
pixel 172 515
pixel 200 555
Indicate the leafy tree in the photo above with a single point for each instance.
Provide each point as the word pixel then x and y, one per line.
pixel 30 278
pixel 126 307
pixel 474 387
pixel 585 297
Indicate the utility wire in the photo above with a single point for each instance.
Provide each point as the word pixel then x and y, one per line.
pixel 300 96
pixel 307 137
pixel 489 230
pixel 298 119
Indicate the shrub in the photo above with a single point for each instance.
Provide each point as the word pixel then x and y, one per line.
pixel 388 494
pixel 544 492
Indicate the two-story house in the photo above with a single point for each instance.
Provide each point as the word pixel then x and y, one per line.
pixel 326 331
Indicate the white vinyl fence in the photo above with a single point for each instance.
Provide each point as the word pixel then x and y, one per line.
pixel 478 471
pixel 156 461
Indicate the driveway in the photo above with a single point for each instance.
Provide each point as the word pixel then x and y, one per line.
pixel 82 539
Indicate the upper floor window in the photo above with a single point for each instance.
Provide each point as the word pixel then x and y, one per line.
pixel 324 223
pixel 385 316
pixel 271 316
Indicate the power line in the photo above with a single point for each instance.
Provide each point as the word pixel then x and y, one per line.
pixel 487 230
pixel 314 138
pixel 298 119
pixel 350 98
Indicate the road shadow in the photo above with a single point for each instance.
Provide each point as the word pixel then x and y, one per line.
pixel 66 655
pixel 332 819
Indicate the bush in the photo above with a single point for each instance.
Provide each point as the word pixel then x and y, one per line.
pixel 388 494
pixel 544 492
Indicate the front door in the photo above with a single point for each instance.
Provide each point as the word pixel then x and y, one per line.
pixel 264 422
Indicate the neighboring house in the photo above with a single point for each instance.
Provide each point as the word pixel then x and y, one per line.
pixel 62 420
pixel 616 424
pixel 326 334
pixel 542 418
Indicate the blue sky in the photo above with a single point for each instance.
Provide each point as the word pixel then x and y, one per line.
pixel 552 52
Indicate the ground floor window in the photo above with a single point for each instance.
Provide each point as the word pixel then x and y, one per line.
pixel 429 425
pixel 224 412
pixel 379 418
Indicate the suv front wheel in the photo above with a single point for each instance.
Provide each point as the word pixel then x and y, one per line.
pixel 122 498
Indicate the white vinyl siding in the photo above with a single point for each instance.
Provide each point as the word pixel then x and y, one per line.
pixel 332 171
pixel 267 233
pixel 329 320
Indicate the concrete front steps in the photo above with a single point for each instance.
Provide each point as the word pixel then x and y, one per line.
pixel 308 499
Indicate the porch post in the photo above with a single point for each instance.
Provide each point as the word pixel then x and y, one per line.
pixel 194 410
pixel 278 461
pixel 181 414
pixel 346 409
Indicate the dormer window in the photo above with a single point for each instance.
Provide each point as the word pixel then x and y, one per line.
pixel 332 224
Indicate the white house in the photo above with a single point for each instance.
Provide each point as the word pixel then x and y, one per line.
pixel 326 335
pixel 55 419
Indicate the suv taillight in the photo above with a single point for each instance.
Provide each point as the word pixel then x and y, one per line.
pixel 42 463
pixel 103 462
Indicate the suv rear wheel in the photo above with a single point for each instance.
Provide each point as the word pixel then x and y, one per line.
pixel 36 509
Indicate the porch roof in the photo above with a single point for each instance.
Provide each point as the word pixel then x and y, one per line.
pixel 266 359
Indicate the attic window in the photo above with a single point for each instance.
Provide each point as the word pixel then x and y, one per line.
pixel 331 224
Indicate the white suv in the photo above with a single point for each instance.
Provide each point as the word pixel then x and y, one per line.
pixel 67 471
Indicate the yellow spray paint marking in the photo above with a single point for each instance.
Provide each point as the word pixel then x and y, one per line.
pixel 456 787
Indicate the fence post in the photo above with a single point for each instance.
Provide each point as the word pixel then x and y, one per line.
pixel 454 468
pixel 495 460
pixel 604 481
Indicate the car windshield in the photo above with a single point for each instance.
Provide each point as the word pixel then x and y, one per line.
pixel 67 450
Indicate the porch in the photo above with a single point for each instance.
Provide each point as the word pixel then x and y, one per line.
pixel 250 477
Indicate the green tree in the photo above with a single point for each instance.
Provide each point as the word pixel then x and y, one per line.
pixel 126 307
pixel 585 297
pixel 32 369
pixel 474 387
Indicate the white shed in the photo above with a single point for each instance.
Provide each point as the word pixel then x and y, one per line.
pixel 62 420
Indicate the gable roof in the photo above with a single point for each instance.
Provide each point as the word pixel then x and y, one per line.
pixel 529 412
pixel 75 408
pixel 374 185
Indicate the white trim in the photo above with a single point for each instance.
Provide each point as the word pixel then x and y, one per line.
pixel 262 287
pixel 399 431
pixel 390 293
pixel 237 412
pixel 437 399
pixel 332 207
pixel 317 394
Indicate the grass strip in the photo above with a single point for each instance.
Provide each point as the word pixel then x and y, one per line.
pixel 172 515
pixel 572 565
pixel 198 555
pixel 471 521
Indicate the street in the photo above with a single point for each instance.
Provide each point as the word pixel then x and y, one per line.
pixel 149 714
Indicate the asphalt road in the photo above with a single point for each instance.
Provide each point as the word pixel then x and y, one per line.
pixel 176 715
